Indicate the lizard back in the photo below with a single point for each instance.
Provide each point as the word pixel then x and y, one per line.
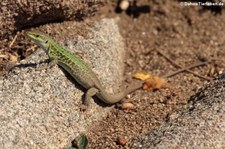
pixel 74 65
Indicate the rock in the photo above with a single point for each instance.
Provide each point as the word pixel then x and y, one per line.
pixel 42 108
pixel 201 125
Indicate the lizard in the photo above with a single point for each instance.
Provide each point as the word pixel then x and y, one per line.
pixel 81 71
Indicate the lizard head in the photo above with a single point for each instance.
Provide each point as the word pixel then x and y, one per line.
pixel 40 39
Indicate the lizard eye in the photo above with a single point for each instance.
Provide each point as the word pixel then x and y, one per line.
pixel 37 36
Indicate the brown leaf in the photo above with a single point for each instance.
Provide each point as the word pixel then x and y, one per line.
pixel 155 83
pixel 142 75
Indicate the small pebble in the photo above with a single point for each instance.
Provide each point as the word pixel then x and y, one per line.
pixel 124 4
pixel 121 140
pixel 127 106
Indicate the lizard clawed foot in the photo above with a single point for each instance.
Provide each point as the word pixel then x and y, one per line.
pixel 83 108
pixel 49 65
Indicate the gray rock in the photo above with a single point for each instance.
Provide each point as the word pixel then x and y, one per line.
pixel 41 109
pixel 201 125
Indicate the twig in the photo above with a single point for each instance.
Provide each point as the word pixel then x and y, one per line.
pixel 14 39
pixel 185 69
pixel 177 65
pixel 32 48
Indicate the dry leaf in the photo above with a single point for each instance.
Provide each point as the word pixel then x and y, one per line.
pixel 142 75
pixel 13 57
pixel 154 83
pixel 151 82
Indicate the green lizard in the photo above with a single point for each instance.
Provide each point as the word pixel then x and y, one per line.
pixel 81 72
pixel 78 69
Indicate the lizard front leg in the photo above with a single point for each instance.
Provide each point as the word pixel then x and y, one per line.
pixel 49 65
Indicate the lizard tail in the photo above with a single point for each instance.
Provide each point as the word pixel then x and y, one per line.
pixel 112 99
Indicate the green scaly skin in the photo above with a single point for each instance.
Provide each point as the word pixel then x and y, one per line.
pixel 78 69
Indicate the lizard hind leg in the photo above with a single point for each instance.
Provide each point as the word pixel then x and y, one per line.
pixel 90 92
